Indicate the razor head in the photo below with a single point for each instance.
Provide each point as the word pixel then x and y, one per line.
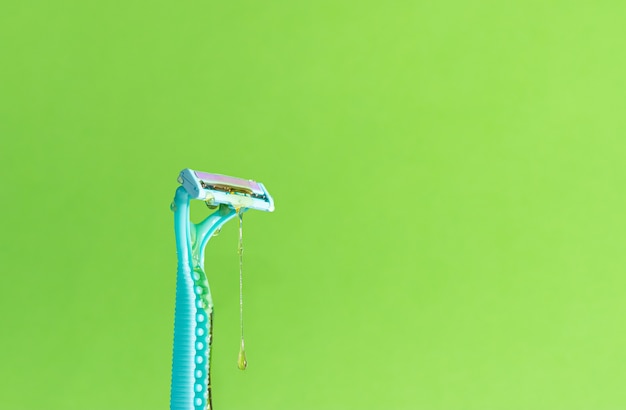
pixel 217 189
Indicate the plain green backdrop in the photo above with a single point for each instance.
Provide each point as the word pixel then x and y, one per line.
pixel 450 225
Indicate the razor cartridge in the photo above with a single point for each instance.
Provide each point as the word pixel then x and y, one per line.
pixel 216 189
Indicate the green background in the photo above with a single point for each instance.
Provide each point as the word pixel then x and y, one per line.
pixel 449 183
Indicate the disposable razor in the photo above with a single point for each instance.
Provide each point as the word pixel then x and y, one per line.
pixel 193 319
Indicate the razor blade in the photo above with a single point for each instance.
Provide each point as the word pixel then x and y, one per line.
pixel 216 189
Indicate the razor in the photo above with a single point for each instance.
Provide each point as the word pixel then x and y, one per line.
pixel 193 319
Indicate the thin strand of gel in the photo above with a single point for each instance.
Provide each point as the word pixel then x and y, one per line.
pixel 242 363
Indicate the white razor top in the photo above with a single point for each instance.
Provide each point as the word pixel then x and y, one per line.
pixel 218 189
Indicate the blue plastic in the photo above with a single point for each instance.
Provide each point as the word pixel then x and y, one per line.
pixel 194 307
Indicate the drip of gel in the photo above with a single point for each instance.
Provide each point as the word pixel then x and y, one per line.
pixel 242 363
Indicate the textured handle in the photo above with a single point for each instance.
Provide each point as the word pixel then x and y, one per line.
pixel 182 394
pixel 191 388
